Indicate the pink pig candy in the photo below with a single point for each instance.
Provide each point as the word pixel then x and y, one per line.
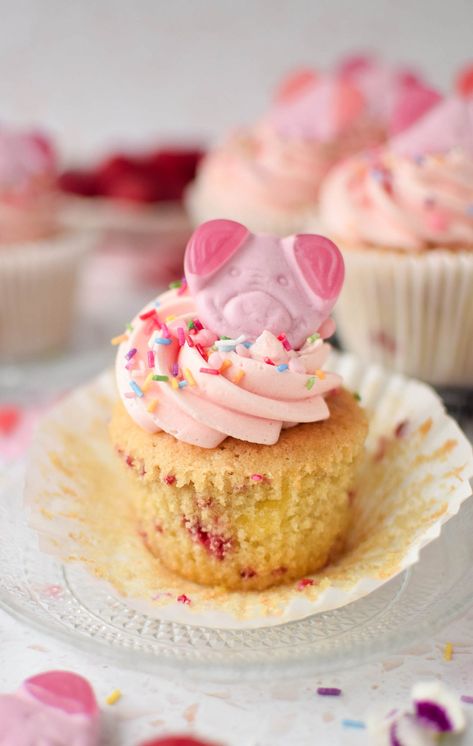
pixel 244 283
pixel 56 708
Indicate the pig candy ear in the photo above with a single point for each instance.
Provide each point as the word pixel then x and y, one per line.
pixel 212 244
pixel 64 691
pixel 321 264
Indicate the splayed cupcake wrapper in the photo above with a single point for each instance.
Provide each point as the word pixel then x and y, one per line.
pixel 414 478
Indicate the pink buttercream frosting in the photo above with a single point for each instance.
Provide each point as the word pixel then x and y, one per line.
pixel 57 708
pixel 279 163
pixel 180 371
pixel 250 400
pixel 414 194
pixel 28 195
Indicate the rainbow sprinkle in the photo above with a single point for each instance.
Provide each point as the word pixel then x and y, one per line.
pixel 320 374
pixel 359 724
pixel 138 391
pixel 448 651
pixel 152 405
pixel 190 325
pixel 129 327
pixel 225 365
pixel 281 368
pixel 181 384
pixel 313 338
pixel 247 345
pixel 175 284
pixel 310 383
pixel 147 382
pixel 268 361
pixel 284 341
pixel 170 318
pixel 198 325
pixel 118 340
pixel 162 341
pixel 165 331
pixel 238 376
pixel 257 477
pixel 189 377
pixel 329 691
pixel 211 371
pixel 357 396
pixel 175 370
pixel 150 359
pixel 181 337
pixel 183 287
pixel 189 341
pixel 174 383
pixel 159 377
pixel 148 314
pixel 113 697
pixel 467 698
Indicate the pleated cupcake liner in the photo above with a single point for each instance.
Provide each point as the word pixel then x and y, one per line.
pixel 413 480
pixel 38 282
pixel 411 313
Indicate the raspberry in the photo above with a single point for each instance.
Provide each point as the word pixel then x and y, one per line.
pixel 464 81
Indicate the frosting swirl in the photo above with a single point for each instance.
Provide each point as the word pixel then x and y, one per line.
pixel 200 389
pixel 391 200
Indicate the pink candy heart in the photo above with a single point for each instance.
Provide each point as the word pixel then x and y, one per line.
pixel 244 283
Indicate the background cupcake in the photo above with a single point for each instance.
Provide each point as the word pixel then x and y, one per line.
pixel 269 175
pixel 404 218
pixel 39 259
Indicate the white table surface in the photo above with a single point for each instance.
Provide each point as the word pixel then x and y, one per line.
pixel 266 714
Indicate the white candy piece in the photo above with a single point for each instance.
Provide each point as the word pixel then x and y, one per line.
pixel 438 706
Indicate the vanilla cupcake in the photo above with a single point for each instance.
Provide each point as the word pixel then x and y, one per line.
pixel 268 176
pixel 403 217
pixel 242 448
pixel 39 260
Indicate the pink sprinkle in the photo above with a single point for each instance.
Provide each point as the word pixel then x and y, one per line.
pixel 467 698
pixel 150 359
pixel 165 331
pixel 148 314
pixel 268 360
pixel 284 341
pixel 211 371
pixel 130 365
pixel 175 370
pixel 189 341
pixel 181 337
pixel 303 583
pixel 401 429
pixel 257 477
pixel 183 599
pixel 170 479
pixel 53 591
pixel 201 351
pixel 183 287
pixel 198 325
pixel 329 691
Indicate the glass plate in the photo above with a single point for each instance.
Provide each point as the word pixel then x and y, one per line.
pixel 70 604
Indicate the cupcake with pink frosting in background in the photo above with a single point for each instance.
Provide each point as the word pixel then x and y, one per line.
pixel 269 175
pixel 39 259
pixel 403 216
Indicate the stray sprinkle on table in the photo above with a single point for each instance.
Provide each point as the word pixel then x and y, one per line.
pixel 113 697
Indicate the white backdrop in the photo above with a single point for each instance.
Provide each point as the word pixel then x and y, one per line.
pixel 109 71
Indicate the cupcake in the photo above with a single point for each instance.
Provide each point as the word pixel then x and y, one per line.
pixel 268 176
pixel 242 449
pixel 133 202
pixel 403 217
pixel 39 259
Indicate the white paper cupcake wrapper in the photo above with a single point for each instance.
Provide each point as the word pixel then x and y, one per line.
pixel 413 314
pixel 414 479
pixel 38 281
